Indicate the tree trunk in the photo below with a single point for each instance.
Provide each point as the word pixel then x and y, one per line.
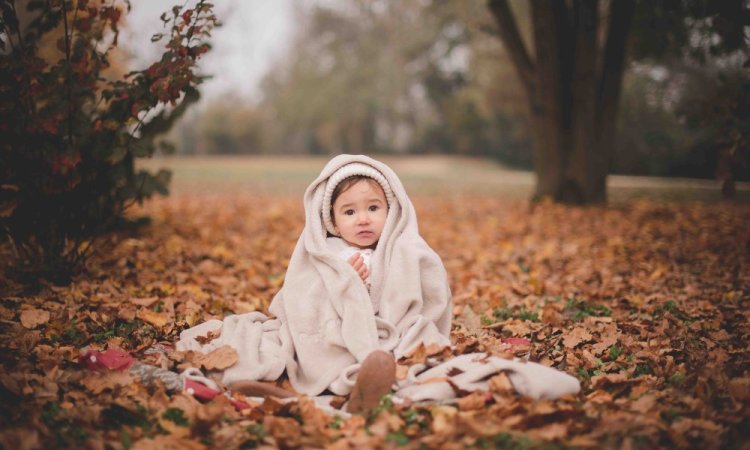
pixel 547 98
pixel 610 86
pixel 580 172
pixel 573 90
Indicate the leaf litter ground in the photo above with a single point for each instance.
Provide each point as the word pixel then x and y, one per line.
pixel 645 303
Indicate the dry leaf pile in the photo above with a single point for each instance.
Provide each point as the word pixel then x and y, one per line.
pixel 646 303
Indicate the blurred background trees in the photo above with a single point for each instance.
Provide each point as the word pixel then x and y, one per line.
pixel 434 76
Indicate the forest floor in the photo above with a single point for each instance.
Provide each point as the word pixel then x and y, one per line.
pixel 646 302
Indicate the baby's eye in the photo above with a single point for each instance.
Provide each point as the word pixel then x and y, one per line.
pixel 374 208
pixel 349 212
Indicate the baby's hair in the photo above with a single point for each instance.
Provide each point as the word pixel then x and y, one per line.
pixel 347 183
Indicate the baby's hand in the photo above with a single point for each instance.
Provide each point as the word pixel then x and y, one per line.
pixel 358 263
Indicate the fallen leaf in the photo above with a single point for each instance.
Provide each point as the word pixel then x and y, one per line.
pixel 156 319
pixel 97 382
pixel 219 359
pixel 475 400
pixel 550 432
pixel 285 430
pixel 210 336
pixel 32 318
pixel 19 439
pixel 168 442
pixel 145 302
pixel 501 384
pixel 576 336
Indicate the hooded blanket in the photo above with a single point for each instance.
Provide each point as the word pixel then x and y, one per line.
pixel 329 321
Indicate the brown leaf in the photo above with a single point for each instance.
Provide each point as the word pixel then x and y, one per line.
pixel 224 281
pixel 475 400
pixel 470 320
pixel 219 359
pixel 154 318
pixel 610 379
pixel 418 355
pixel 550 431
pixel 460 392
pixel 576 336
pixel 644 404
pixel 312 416
pixel 19 439
pixel 402 371
pixel 599 397
pixel 443 419
pixel 168 442
pixel 210 336
pixel 454 371
pixel 551 314
pixel 739 388
pixel 97 382
pixel 501 384
pixel 385 423
pixel 146 302
pixel 285 430
pixel 32 318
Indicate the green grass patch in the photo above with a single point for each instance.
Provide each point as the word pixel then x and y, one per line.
pixel 516 312
pixel 177 416
pixel 580 309
pixel 677 378
pixel 398 438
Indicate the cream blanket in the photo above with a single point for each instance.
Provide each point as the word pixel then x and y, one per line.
pixel 327 323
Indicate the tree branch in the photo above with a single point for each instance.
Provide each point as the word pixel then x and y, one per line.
pixel 513 44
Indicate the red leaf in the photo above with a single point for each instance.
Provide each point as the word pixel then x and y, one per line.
pixel 113 359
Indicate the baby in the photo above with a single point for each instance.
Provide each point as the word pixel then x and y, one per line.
pixel 355 206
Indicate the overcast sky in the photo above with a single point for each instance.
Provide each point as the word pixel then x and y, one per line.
pixel 254 33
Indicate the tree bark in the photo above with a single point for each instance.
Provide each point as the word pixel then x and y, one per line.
pixel 580 170
pixel 547 98
pixel 610 86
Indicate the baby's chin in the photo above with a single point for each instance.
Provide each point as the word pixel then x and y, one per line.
pixel 364 243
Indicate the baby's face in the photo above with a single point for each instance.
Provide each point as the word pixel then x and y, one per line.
pixel 359 214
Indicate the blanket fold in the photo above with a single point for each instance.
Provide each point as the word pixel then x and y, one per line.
pixel 472 372
pixel 252 335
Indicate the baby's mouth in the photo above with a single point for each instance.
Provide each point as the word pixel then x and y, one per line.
pixel 365 233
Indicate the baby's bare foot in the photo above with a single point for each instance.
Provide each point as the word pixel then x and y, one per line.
pixel 375 379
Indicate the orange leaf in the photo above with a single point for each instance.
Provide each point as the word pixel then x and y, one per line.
pixel 31 318
pixel 219 359
pixel 154 318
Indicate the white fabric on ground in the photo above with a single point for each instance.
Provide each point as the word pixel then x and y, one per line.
pixel 472 372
